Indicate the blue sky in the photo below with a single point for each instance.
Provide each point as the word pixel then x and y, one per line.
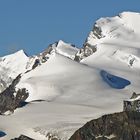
pixel 32 25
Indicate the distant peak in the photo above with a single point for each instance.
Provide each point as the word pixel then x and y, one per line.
pixel 21 52
pixel 61 42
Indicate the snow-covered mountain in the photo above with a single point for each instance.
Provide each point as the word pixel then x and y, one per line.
pixel 19 63
pixel 11 66
pixel 75 85
pixel 117 38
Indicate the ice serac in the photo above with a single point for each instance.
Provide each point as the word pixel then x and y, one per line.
pixel 66 49
pixel 62 48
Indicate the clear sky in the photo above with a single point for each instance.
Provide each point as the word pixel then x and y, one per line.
pixel 32 25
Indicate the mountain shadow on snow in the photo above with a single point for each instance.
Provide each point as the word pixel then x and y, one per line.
pixel 2 134
pixel 114 81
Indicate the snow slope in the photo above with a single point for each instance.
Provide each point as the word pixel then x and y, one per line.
pixel 18 63
pixel 75 93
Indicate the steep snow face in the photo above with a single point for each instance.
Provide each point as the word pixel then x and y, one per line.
pixel 117 38
pixel 124 27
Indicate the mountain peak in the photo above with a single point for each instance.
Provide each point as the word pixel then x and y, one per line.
pixel 124 26
pixel 19 53
pixel 61 42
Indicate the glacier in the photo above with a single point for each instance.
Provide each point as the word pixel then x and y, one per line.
pixel 65 93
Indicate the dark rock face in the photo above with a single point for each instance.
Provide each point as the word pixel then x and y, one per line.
pixel 9 101
pixel 22 137
pixel 133 104
pixel 118 126
pixel 86 51
pixel 97 31
pixel 37 63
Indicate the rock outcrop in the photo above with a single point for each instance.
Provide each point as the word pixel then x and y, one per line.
pixel 10 99
pixel 118 126
pixel 89 47
pixel 132 104
pixel 22 137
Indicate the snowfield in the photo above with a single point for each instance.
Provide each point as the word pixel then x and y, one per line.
pixel 65 94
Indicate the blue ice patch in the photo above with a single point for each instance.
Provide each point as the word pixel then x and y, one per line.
pixel 2 134
pixel 114 81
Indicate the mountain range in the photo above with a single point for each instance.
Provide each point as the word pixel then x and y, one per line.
pixel 54 93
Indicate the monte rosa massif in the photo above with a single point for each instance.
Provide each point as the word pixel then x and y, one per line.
pixel 51 95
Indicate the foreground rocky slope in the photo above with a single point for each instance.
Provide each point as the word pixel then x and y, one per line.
pixel 118 126
pixel 22 137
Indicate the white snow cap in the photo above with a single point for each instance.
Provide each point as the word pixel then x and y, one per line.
pixel 15 63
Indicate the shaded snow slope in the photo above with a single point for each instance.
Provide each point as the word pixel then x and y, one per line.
pixel 114 81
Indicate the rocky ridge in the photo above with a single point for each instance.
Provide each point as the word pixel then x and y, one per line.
pixel 12 98
pixel 117 126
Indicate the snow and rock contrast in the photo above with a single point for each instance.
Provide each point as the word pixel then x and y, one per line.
pixel 117 126
pixel 67 86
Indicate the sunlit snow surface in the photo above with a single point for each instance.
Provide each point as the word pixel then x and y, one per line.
pixel 75 93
